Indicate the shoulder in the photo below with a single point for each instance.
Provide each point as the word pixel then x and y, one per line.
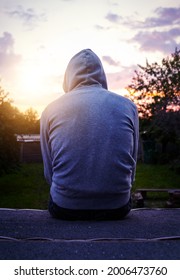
pixel 53 105
pixel 122 100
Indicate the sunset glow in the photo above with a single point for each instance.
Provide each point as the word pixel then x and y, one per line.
pixel 38 38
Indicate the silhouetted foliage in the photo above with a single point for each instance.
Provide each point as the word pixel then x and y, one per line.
pixel 9 156
pixel 156 88
pixel 27 123
pixel 156 91
pixel 13 122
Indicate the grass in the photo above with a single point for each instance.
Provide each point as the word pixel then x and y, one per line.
pixel 156 176
pixel 26 188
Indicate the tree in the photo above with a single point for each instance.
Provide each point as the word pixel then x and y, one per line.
pixel 9 156
pixel 13 122
pixel 32 121
pixel 156 91
pixel 156 88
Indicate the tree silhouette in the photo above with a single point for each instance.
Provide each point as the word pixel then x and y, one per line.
pixel 156 91
pixel 156 88
pixel 13 122
pixel 9 157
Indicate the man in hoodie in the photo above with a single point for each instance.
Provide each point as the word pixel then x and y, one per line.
pixel 89 143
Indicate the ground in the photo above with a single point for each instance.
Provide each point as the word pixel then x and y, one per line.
pixel 144 234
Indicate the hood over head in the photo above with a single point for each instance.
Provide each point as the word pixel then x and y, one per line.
pixel 85 68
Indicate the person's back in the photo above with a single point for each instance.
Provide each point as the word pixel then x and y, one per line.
pixel 89 140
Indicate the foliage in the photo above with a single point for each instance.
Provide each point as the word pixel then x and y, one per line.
pixel 8 144
pixel 13 122
pixel 156 88
pixel 27 123
pixel 156 91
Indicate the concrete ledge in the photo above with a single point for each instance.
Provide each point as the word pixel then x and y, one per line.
pixel 144 234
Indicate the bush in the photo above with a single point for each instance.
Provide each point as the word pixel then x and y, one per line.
pixel 9 150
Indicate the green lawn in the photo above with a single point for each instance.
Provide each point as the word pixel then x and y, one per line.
pixel 27 188
pixel 156 176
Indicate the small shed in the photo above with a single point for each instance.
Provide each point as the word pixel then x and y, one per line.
pixel 30 150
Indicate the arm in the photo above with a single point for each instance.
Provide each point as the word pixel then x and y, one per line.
pixel 136 142
pixel 45 148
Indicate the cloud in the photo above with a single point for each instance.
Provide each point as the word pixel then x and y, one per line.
pixel 100 27
pixel 166 16
pixel 174 32
pixel 121 79
pixel 8 59
pixel 114 18
pixel 163 17
pixel 157 41
pixel 150 37
pixel 6 42
pixel 110 61
pixel 28 16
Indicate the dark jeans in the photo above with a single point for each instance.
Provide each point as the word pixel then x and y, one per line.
pixel 88 214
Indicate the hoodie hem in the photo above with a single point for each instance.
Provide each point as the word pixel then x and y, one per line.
pixel 112 201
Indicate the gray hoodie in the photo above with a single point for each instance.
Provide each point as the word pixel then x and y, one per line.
pixel 89 140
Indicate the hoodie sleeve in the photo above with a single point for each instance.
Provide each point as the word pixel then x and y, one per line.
pixel 45 148
pixel 136 142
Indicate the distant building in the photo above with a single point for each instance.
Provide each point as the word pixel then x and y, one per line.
pixel 30 150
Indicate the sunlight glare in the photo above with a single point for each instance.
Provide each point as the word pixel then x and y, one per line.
pixel 32 79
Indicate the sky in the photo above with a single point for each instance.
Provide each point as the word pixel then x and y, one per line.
pixel 39 37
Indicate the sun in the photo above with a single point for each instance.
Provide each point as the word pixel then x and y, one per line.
pixel 37 84
pixel 32 79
